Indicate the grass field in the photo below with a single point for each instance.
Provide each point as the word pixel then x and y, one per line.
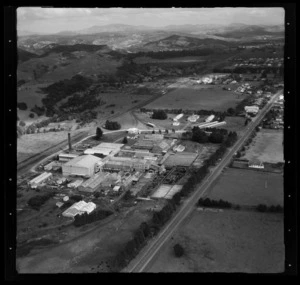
pixel 248 187
pixel 228 241
pixel 31 144
pixel 266 146
pixel 234 124
pixel 197 97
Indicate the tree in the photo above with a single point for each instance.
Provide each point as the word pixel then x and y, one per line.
pixel 199 136
pixel 178 250
pixel 125 140
pixel 159 114
pixel 99 133
pixel 230 111
pixel 216 137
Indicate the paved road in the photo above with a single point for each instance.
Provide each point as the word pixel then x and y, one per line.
pixel 147 256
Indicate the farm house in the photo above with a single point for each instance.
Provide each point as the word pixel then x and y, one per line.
pixel 82 166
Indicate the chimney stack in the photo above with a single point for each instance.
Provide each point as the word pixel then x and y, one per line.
pixel 69 141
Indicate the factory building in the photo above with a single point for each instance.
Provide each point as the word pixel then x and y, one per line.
pixel 193 118
pixel 75 184
pixel 126 164
pixel 39 179
pixel 105 149
pixel 84 165
pixel 178 117
pixel 92 184
pixel 66 156
pixel 209 118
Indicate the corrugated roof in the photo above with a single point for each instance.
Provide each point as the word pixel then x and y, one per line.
pixel 84 160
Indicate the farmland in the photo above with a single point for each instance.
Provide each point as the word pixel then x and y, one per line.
pixel 197 98
pixel 228 241
pixel 248 187
pixel 266 146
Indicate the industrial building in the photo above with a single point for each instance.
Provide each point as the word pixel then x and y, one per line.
pixel 211 125
pixel 178 117
pixel 92 184
pixel 75 184
pixel 126 164
pixel 193 118
pixel 39 179
pixel 79 208
pixel 84 165
pixel 209 118
pixel 66 156
pixel 105 149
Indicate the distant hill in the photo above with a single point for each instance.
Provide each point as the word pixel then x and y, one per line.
pixel 184 42
pixel 72 48
pixel 239 31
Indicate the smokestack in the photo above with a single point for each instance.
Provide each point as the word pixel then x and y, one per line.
pixel 69 141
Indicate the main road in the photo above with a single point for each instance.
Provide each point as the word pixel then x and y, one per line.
pixel 147 256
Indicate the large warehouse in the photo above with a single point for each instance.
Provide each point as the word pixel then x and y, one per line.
pixel 82 166
pixel 105 149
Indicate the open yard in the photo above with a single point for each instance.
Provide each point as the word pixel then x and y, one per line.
pixel 31 144
pixel 248 187
pixel 266 147
pixel 94 249
pixel 197 97
pixel 228 241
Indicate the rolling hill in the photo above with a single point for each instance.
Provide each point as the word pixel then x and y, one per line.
pixel 184 42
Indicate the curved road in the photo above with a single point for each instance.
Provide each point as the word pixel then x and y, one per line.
pixel 147 256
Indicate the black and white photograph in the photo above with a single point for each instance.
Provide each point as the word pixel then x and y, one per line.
pixel 150 140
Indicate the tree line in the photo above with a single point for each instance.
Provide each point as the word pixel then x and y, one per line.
pixel 86 218
pixel 110 125
pixel 214 203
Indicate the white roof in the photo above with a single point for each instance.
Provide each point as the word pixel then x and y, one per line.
pixel 108 145
pixel 84 160
pixel 42 176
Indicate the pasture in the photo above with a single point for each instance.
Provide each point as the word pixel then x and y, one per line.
pixel 266 146
pixel 197 97
pixel 247 187
pixel 228 241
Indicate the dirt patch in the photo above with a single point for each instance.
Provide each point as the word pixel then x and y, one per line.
pixel 228 241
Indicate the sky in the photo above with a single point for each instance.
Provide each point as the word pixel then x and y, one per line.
pixel 54 20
